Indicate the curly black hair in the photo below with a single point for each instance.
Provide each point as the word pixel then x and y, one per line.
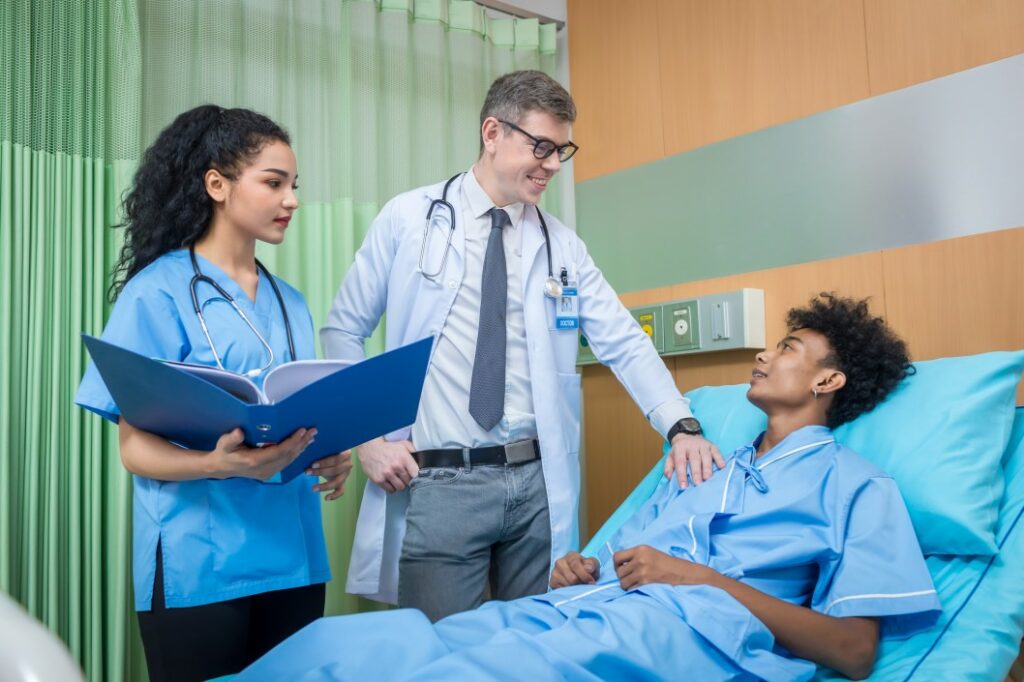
pixel 167 206
pixel 863 348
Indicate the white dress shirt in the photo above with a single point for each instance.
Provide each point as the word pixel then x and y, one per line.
pixel 443 420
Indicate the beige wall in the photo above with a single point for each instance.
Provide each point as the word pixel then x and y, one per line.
pixel 654 78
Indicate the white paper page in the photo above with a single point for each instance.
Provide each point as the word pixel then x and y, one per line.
pixel 236 384
pixel 290 377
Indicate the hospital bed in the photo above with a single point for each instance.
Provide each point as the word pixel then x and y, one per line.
pixel 954 443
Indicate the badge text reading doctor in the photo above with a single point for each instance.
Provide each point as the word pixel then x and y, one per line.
pixel 567 313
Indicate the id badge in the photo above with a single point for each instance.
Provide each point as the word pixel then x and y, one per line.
pixel 567 308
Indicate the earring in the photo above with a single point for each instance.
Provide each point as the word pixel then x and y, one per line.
pixel 815 392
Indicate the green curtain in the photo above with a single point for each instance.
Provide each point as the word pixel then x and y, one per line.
pixel 379 97
pixel 69 138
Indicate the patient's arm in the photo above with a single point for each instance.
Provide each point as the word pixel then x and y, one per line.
pixel 574 569
pixel 847 645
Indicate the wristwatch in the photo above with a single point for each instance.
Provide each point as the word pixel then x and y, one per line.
pixel 687 425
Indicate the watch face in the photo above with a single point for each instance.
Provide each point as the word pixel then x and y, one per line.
pixel 690 426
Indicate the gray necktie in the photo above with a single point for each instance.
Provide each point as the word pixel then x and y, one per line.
pixel 487 388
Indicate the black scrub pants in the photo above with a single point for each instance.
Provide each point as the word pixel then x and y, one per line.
pixel 203 642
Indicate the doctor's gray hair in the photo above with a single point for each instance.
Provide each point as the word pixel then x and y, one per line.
pixel 515 94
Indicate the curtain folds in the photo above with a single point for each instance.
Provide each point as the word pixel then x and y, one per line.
pixel 379 96
pixel 69 137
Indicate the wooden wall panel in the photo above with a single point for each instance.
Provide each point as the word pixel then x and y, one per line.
pixel 953 297
pixel 614 76
pixel 911 41
pixel 730 67
pixel 657 77
pixel 958 296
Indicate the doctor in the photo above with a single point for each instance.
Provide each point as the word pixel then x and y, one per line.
pixel 489 473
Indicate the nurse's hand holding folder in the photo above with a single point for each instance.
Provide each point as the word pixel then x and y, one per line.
pixel 145 454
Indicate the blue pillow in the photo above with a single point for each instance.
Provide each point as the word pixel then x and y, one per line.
pixel 941 435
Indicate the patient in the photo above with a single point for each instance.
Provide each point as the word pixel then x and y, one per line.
pixel 798 553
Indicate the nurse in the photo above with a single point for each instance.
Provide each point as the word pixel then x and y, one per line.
pixel 224 565
pixel 480 495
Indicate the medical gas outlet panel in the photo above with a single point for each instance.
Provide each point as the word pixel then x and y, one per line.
pixel 706 324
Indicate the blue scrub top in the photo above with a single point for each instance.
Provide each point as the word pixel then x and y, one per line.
pixel 220 539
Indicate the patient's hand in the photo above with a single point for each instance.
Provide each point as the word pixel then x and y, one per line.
pixel 643 565
pixel 696 452
pixel 575 569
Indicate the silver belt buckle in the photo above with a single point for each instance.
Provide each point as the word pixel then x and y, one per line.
pixel 520 451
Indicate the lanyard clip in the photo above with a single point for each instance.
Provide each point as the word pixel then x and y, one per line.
pixel 565 277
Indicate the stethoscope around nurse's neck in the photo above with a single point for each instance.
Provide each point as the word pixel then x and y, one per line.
pixel 552 286
pixel 199 277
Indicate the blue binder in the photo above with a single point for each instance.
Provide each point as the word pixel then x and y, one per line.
pixel 348 408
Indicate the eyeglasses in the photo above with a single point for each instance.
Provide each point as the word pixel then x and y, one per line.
pixel 543 148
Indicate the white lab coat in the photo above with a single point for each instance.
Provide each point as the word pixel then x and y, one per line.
pixel 385 278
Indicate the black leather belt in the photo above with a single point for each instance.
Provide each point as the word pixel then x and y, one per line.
pixel 514 453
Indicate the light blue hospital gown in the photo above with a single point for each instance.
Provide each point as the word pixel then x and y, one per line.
pixel 810 522
pixel 220 539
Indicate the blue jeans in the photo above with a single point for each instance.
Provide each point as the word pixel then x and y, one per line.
pixel 470 528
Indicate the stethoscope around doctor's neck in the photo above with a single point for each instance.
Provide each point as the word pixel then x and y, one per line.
pixel 199 277
pixel 552 287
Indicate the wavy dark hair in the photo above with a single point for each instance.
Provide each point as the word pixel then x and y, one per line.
pixel 167 206
pixel 873 358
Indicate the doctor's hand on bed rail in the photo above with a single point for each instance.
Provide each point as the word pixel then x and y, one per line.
pixel 699 453
pixel 574 569
pixel 388 464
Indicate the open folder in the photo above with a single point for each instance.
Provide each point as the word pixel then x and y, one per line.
pixel 193 406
